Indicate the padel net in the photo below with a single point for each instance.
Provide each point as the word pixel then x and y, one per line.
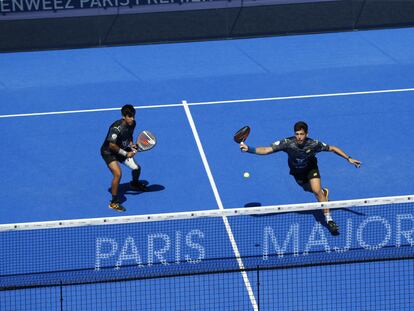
pixel 182 246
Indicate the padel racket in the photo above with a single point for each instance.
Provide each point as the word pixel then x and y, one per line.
pixel 242 134
pixel 145 141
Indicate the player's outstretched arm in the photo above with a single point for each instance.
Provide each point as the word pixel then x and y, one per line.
pixel 341 153
pixel 257 150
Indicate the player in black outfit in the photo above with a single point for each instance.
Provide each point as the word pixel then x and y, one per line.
pixel 118 148
pixel 303 164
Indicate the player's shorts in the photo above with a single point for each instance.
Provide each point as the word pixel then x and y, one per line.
pixel 302 177
pixel 110 157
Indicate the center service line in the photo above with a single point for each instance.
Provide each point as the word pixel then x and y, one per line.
pixel 220 205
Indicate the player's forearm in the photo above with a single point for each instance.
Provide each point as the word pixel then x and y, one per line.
pixel 339 152
pixel 255 150
pixel 263 150
pixel 116 149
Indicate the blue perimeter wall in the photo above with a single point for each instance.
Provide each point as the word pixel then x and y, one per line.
pixel 56 24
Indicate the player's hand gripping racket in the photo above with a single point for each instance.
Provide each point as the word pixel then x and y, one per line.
pixel 241 135
pixel 145 141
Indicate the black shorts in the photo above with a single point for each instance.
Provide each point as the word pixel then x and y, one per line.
pixel 110 157
pixel 303 176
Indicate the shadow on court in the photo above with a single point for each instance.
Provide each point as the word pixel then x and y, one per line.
pixel 317 214
pixel 124 189
pixel 319 217
pixel 253 204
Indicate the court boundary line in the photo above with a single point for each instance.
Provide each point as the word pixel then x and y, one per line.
pixel 280 98
pixel 213 185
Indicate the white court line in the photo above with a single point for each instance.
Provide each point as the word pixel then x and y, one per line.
pixel 220 205
pixel 213 102
pixel 302 96
pixel 34 114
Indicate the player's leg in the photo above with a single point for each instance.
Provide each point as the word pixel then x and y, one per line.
pixel 116 178
pixel 316 188
pixel 111 161
pixel 136 172
pixel 321 195
pixel 310 181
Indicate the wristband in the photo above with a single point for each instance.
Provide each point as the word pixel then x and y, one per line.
pixel 251 150
pixel 122 152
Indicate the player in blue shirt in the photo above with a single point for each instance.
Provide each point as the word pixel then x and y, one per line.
pixel 303 164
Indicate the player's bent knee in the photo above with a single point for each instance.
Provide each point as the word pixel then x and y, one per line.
pixel 130 162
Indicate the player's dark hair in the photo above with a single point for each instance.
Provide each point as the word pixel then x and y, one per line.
pixel 128 111
pixel 300 126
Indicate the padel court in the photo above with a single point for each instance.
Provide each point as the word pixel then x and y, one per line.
pixel 354 89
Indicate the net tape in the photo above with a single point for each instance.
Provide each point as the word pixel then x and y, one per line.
pixel 228 212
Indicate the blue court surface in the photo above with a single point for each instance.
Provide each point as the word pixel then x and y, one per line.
pixel 52 168
pixel 354 89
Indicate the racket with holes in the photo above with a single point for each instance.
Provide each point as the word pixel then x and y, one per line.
pixel 145 141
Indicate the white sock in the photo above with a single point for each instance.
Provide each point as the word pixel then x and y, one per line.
pixel 328 217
